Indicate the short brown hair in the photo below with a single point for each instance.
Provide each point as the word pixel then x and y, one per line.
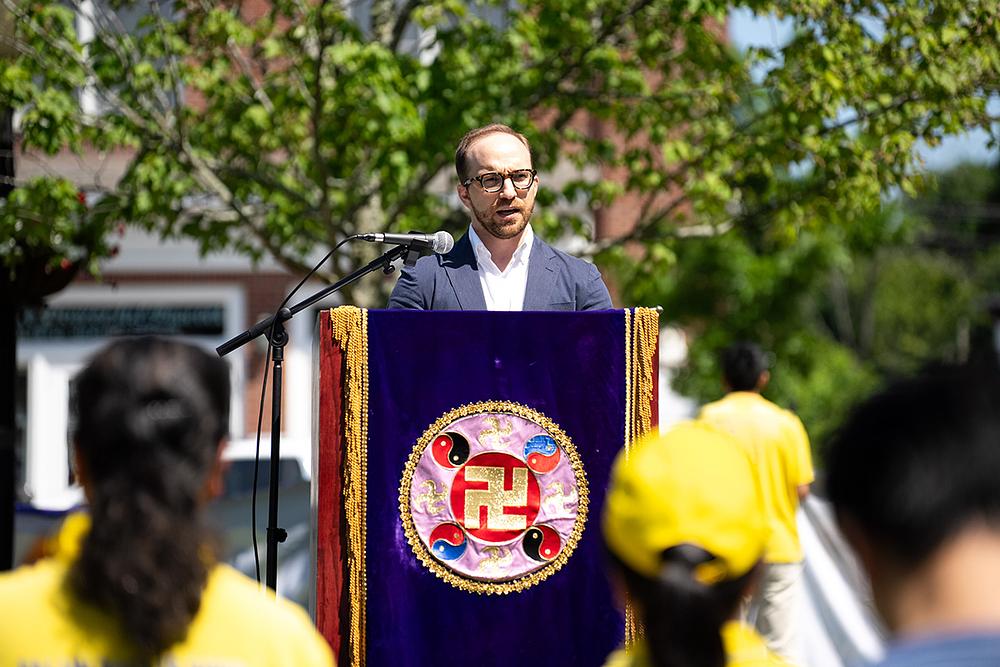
pixel 462 152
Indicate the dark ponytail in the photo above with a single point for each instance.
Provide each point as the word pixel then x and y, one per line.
pixel 682 616
pixel 151 413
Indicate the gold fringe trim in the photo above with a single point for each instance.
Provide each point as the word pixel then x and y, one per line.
pixel 406 485
pixel 350 332
pixel 633 627
pixel 646 334
pixel 642 331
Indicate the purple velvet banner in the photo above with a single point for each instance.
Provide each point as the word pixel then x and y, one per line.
pixel 568 366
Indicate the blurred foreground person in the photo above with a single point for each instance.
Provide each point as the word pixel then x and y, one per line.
pixel 914 478
pixel 779 448
pixel 136 582
pixel 686 532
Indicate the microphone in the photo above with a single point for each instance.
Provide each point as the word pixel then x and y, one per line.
pixel 439 242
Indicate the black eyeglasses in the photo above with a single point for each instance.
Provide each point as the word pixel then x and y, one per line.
pixel 492 181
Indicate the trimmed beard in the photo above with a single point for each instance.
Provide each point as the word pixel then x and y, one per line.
pixel 485 219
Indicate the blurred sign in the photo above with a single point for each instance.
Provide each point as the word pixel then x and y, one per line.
pixel 93 322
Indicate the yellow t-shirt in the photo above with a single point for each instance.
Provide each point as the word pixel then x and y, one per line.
pixel 43 623
pixel 743 647
pixel 779 447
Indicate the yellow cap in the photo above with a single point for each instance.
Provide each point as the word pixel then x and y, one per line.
pixel 691 485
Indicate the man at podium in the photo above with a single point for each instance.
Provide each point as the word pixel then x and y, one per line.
pixel 499 264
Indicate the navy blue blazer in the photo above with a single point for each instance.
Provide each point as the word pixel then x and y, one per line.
pixel 556 281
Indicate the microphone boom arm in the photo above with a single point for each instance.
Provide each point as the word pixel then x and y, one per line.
pixel 273 327
pixel 383 262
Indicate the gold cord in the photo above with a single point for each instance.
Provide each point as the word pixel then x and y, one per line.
pixel 629 383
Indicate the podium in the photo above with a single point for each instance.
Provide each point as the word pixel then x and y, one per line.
pixel 463 459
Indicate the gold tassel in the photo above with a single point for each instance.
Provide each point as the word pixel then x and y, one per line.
pixel 350 331
pixel 642 331
pixel 646 328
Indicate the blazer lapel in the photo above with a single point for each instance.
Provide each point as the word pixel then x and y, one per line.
pixel 541 277
pixel 463 274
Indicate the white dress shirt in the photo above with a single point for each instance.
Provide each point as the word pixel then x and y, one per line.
pixel 503 290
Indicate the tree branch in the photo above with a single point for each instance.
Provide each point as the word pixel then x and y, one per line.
pixel 402 20
pixel 416 187
pixel 173 69
pixel 316 114
pixel 68 51
pixel 230 168
pixel 239 58
pixel 380 11
pixel 109 29
pixel 249 216
pixel 609 28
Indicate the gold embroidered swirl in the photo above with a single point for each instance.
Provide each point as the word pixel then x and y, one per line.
pixel 497 559
pixel 557 499
pixel 494 434
pixel 432 499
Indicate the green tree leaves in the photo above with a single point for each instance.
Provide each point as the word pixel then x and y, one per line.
pixel 281 131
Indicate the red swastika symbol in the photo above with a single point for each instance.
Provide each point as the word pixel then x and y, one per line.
pixel 495 497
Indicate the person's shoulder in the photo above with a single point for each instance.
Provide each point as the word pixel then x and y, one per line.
pixel 31 600
pixel 791 420
pixel 427 264
pixel 731 403
pixel 277 631
pixel 582 277
pixel 415 284
pixel 238 589
pixel 785 419
pixel 33 579
pixel 713 406
pixel 635 656
pixel 235 596
pixel 234 601
pixel 761 402
pixel 461 254
pixel 790 415
pixel 573 262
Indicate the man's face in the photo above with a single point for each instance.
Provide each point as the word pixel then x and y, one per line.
pixel 506 213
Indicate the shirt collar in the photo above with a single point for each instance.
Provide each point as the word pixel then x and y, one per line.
pixel 745 396
pixel 521 253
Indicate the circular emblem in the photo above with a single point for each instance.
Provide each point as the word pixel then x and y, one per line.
pixel 493 497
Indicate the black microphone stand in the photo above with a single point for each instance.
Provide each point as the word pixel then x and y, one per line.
pixel 273 328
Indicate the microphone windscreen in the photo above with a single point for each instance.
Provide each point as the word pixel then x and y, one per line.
pixel 443 242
